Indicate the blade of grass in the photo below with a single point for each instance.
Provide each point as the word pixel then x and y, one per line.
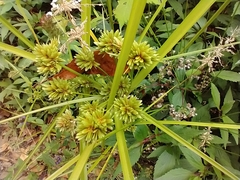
pixel 213 17
pixel 182 29
pixel 51 107
pixel 26 19
pixel 188 145
pixel 51 126
pixel 135 17
pixel 16 32
pixel 110 14
pixel 151 20
pixel 17 51
pixel 80 166
pixel 202 124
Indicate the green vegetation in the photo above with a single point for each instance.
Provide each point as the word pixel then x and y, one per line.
pixel 121 89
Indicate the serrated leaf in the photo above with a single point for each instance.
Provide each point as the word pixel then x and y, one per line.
pixel 177 7
pixel 122 11
pixel 192 72
pixel 193 158
pixel 157 152
pixel 236 9
pixel 46 158
pixel 176 174
pixel 227 75
pixel 141 132
pixel 165 163
pixel 177 99
pixel 228 102
pixel 234 132
pixel 216 95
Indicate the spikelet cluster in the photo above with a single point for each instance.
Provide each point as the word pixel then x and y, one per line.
pixel 141 56
pixel 110 42
pixel 58 89
pixel 93 123
pixel 48 58
pixel 127 108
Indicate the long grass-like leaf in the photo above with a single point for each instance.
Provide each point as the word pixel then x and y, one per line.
pixel 51 107
pixel 182 29
pixel 135 17
pixel 26 20
pixel 16 32
pixel 17 51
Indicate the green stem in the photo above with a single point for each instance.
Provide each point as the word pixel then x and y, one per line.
pixel 86 16
pixel 123 151
pixel 110 14
pixel 148 26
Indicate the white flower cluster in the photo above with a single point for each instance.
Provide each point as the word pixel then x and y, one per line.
pixel 59 6
pixel 182 112
pixel 206 137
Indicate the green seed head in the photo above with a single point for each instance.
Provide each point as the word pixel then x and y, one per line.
pixel 48 58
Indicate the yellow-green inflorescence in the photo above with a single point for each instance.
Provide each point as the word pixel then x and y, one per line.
pixel 66 122
pixel 58 89
pixel 110 42
pixel 127 108
pixel 93 124
pixel 141 55
pixel 48 58
pixel 85 59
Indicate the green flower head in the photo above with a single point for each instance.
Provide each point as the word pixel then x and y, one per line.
pixel 93 126
pixel 141 55
pixel 58 89
pixel 110 42
pixel 85 59
pixel 48 58
pixel 127 108
pixel 66 122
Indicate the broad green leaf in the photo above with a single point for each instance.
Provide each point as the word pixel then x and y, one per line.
pixel 216 95
pixel 193 158
pixel 157 152
pixel 228 102
pixel 165 163
pixel 236 9
pixel 141 132
pixel 192 72
pixel 234 132
pixel 176 174
pixel 224 134
pixel 46 158
pixel 122 11
pixel 202 114
pixel 6 7
pixel 177 7
pixel 177 99
pixel 4 32
pixel 227 75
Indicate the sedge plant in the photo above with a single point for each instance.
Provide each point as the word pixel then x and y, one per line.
pixel 101 100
